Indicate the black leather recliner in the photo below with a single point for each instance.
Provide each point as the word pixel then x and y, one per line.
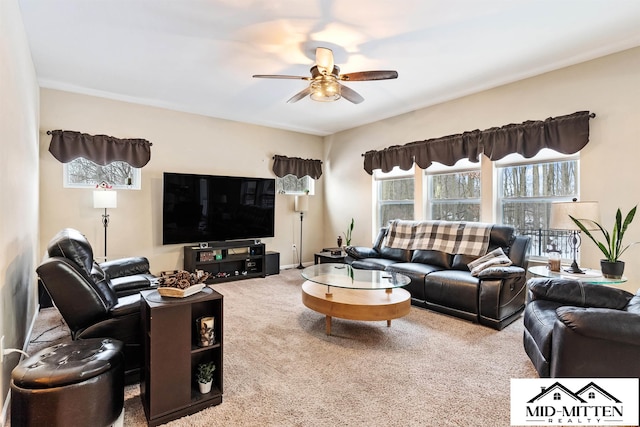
pixel 573 329
pixel 97 300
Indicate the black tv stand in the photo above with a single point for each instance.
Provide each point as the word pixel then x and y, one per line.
pixel 226 261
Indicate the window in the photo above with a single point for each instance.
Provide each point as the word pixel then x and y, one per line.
pixel 394 195
pixel 526 189
pixel 291 184
pixel 556 396
pixel 592 395
pixel 453 193
pixel 83 173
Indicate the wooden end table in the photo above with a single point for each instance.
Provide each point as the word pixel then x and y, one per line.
pixel 327 257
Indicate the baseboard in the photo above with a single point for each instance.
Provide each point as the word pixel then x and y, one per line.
pixel 25 345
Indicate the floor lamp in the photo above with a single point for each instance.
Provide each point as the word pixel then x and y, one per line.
pixel 105 199
pixel 301 205
pixel 586 212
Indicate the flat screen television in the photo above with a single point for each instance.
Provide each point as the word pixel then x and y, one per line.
pixel 203 208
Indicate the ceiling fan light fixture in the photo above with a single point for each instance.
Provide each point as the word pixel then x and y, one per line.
pixel 325 90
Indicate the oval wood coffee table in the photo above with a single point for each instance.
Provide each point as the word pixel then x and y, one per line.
pixel 338 290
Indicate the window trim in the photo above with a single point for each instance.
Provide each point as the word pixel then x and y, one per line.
pixel 379 176
pixel 515 160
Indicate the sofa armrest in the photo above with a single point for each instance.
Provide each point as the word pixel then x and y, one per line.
pixel 575 293
pixel 501 272
pixel 360 252
pixel 602 323
pixel 125 267
pixel 518 251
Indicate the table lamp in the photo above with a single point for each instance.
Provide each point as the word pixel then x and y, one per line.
pixel 560 220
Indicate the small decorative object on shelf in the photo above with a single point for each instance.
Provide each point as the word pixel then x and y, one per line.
pixel 339 241
pixel 207 256
pixel 180 283
pixel 206 333
pixel 204 376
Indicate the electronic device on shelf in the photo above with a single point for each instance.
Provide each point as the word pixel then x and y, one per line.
pixel 205 208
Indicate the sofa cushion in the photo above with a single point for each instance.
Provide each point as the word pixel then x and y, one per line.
pixel 461 262
pixel 501 235
pixel 413 268
pixel 372 263
pixel 398 255
pixel 431 257
pixel 416 272
pixel 574 292
pixel 453 288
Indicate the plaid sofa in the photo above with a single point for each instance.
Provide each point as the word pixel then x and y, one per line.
pixel 443 282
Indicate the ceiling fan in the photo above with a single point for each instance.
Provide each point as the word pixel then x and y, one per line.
pixel 325 80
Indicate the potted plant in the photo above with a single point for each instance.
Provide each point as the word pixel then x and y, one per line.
pixel 204 376
pixel 612 246
pixel 347 234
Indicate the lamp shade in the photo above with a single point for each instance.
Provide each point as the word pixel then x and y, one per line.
pixel 301 204
pixel 586 212
pixel 105 199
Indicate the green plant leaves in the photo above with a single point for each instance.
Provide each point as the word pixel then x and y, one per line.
pixel 613 248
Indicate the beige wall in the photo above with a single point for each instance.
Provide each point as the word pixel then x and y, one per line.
pixel 609 87
pixel 181 143
pixel 18 185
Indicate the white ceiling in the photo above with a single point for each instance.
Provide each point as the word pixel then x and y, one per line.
pixel 199 56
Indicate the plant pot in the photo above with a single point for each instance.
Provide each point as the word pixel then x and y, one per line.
pixel 205 387
pixel 612 270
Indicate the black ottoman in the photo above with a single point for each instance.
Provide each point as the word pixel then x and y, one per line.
pixel 80 383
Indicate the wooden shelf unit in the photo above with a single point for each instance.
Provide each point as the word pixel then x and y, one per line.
pixel 225 261
pixel 171 354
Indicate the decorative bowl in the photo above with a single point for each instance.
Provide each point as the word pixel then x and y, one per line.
pixel 167 291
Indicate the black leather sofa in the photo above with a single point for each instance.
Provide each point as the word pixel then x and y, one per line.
pixel 97 300
pixel 573 329
pixel 443 282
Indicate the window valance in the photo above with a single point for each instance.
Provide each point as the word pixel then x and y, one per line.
pixel 283 166
pixel 101 149
pixel 565 134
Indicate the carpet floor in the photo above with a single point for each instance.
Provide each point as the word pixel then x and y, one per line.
pixel 281 369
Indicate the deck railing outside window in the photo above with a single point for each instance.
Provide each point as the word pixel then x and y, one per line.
pixel 544 240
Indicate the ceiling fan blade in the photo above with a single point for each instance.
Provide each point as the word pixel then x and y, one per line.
pixel 350 95
pixel 279 76
pixel 298 96
pixel 324 60
pixel 369 75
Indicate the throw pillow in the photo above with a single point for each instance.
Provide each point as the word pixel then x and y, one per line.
pixel 494 258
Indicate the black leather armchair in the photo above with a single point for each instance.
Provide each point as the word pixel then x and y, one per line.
pixel 97 300
pixel 574 329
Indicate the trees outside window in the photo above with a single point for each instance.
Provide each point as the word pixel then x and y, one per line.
pixel 525 195
pixel 454 196
pixel 291 184
pixel 394 196
pixel 83 173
